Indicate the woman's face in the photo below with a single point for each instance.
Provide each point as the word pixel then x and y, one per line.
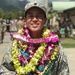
pixel 35 19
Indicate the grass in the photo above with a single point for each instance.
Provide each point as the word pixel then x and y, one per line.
pixel 68 42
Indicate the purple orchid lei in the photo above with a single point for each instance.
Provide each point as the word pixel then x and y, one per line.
pixel 26 37
pixel 27 53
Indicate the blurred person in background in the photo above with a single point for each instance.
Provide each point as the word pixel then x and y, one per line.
pixel 68 25
pixel 8 24
pixel 13 27
pixel 2 29
pixel 19 23
pixel 54 25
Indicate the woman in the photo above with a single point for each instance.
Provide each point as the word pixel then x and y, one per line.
pixel 35 49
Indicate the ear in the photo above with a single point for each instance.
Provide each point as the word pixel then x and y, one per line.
pixel 24 19
pixel 25 22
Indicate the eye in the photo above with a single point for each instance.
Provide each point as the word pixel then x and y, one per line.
pixel 29 16
pixel 39 16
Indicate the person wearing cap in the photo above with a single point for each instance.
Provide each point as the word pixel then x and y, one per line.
pixel 19 23
pixel 35 49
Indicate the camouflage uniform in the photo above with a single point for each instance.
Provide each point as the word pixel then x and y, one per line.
pixel 60 66
pixel 19 24
pixel 1 32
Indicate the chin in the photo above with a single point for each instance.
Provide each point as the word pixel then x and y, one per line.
pixel 34 29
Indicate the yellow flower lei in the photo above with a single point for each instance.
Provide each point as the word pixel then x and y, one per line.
pixel 36 57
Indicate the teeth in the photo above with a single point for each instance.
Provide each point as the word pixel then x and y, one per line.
pixel 34 25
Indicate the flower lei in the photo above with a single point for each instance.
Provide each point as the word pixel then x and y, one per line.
pixel 27 60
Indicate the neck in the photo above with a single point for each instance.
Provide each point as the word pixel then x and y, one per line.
pixel 36 35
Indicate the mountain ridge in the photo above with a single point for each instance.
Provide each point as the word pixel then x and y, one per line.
pixel 8 5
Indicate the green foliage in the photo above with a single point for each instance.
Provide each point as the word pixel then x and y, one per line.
pixel 1 13
pixel 12 9
pixel 68 42
pixel 8 15
pixel 52 13
pixel 50 16
pixel 13 14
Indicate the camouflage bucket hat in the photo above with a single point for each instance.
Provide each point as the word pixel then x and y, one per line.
pixel 38 5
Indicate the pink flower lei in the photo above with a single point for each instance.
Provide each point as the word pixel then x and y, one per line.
pixel 24 36
pixel 27 54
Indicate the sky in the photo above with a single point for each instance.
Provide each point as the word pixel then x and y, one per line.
pixel 45 0
pixel 48 0
pixel 36 0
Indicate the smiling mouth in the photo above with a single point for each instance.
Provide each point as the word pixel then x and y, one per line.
pixel 34 25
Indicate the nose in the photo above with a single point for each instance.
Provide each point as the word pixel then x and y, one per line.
pixel 34 18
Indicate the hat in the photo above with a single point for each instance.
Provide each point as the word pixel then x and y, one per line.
pixel 38 5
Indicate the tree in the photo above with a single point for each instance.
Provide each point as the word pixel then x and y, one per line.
pixel 15 13
pixel 1 13
pixel 8 15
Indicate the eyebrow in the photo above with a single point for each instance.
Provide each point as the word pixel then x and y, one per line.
pixel 30 13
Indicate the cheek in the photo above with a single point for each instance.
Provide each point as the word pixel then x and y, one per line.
pixel 42 22
pixel 28 22
pixel 41 25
